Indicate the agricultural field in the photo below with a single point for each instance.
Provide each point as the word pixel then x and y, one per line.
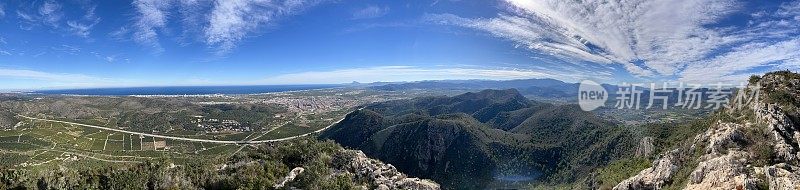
pixel 34 142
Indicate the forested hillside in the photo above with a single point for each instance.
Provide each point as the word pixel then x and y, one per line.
pixel 476 139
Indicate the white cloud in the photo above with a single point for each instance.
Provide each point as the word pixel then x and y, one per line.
pixel 39 79
pixel 410 73
pixel 83 27
pixel 221 24
pixel 68 49
pixel 111 58
pixel 38 75
pixel 648 38
pixel 232 21
pixel 371 11
pixel 726 67
pixel 2 10
pixel 27 21
pixel 50 13
pixel 152 16
pixel 26 79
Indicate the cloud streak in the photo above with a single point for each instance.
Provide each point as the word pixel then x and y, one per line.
pixel 38 75
pixel 51 80
pixel 370 12
pixel 409 73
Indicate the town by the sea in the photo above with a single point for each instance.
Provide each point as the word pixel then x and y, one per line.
pixel 185 90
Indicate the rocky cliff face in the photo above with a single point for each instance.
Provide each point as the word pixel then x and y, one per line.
pixel 756 149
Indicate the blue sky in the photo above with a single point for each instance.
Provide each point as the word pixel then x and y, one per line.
pixel 85 43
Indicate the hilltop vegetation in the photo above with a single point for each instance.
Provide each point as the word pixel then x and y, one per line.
pixel 325 165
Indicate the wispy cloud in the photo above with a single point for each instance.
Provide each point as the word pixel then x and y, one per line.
pixel 369 12
pixel 111 58
pixel 2 10
pixel 52 80
pixel 29 79
pixel 38 75
pixel 51 14
pixel 728 67
pixel 647 38
pixel 68 49
pixel 83 26
pixel 80 29
pixel 232 21
pixel 220 24
pixel 410 73
pixel 152 17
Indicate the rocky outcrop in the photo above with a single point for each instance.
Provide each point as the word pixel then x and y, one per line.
pixel 782 176
pixel 655 176
pixel 785 133
pixel 726 162
pixel 377 174
pixel 290 177
pixel 722 166
pixel 785 136
pixel 728 171
pixel 722 137
pixel 644 147
pixel 367 173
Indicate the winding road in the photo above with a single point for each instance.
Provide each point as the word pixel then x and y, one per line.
pixel 184 138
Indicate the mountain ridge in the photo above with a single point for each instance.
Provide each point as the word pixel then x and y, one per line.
pixel 751 145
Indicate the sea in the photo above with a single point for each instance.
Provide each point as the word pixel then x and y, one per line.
pixel 185 90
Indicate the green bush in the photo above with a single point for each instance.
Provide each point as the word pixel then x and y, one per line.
pixel 754 79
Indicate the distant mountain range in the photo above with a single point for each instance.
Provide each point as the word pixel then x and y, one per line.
pixel 544 88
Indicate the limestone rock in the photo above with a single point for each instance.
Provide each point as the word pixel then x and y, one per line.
pixel 783 176
pixel 378 174
pixel 723 172
pixel 645 147
pixel 290 177
pixel 653 177
pixel 724 163
pixel 785 133
pixel 723 136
